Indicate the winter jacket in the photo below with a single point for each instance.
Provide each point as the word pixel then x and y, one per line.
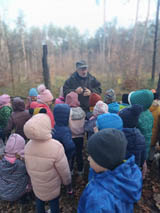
pixel 145 121
pixel 76 81
pixel 113 107
pixel 5 113
pixel 59 100
pixel 45 159
pixel 113 191
pixel 61 131
pixel 18 118
pixel 136 145
pixel 76 122
pixel 155 110
pixel 40 104
pixel 89 127
pixel 13 179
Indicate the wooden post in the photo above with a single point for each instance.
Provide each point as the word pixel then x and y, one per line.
pixel 46 75
pixel 155 42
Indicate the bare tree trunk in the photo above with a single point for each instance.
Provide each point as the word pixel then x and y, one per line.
pixel 139 59
pixel 104 37
pixel 155 42
pixel 45 67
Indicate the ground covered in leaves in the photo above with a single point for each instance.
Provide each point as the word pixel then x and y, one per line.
pixel 150 201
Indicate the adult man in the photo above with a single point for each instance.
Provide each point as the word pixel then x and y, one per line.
pixel 83 83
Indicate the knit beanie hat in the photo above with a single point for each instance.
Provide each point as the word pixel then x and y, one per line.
pixel 109 96
pixel 93 99
pixel 108 148
pixel 100 108
pixel 142 97
pixel 45 95
pixel 72 99
pixel 15 145
pixel 109 120
pixel 131 115
pixel 4 100
pixel 33 92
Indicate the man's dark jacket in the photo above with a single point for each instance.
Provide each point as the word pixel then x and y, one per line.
pixel 76 81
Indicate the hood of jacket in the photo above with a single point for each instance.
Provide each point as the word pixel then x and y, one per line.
pixel 38 127
pixel 18 104
pixel 61 114
pixel 142 97
pixel 77 113
pixel 124 182
pixel 113 107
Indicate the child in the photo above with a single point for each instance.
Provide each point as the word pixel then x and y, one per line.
pixel 76 123
pixel 60 99
pixel 124 103
pixel 61 131
pixel 32 97
pixel 109 120
pixel 13 175
pixel 44 100
pixel 100 108
pixel 136 141
pixel 145 121
pixel 93 99
pixel 5 113
pixel 155 110
pixel 110 99
pixel 116 184
pixel 46 162
pixel 18 118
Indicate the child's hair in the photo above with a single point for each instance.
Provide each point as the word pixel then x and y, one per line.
pixel 15 146
pixel 125 99
pixel 108 148
pixel 45 95
pixel 109 120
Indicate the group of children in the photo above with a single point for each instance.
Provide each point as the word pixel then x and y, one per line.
pixel 121 140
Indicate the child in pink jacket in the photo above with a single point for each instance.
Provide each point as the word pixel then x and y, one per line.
pixel 76 123
pixel 46 162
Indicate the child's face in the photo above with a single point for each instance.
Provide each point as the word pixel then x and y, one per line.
pixel 97 168
pixel 33 98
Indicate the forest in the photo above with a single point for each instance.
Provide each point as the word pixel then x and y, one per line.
pixel 120 57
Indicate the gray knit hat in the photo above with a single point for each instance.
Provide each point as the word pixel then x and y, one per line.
pixel 109 96
pixel 108 148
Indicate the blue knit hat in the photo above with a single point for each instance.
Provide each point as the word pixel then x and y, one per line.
pixel 33 92
pixel 109 120
pixel 131 115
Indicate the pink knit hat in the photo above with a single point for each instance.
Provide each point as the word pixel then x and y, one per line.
pixel 4 100
pixel 100 108
pixel 72 99
pixel 45 95
pixel 15 145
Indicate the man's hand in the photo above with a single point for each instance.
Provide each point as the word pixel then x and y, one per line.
pixel 87 92
pixel 79 90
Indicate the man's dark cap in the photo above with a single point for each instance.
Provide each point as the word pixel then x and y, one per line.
pixel 81 64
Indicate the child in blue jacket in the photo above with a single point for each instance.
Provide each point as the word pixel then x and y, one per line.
pixel 136 141
pixel 115 184
pixel 61 131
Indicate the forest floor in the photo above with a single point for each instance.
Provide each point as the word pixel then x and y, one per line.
pixel 149 203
